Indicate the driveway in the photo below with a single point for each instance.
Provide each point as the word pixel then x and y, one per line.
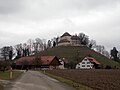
pixel 34 80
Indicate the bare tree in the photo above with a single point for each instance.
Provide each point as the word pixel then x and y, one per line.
pixel 55 41
pixel 6 52
pixel 54 44
pixel 19 48
pixel 39 45
pixel 25 50
pixel 44 44
pixel 100 48
pixel 49 44
pixel 114 53
pixel 84 39
pixel 10 53
pixel 92 43
pixel 30 46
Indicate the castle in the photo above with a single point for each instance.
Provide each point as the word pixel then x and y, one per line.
pixel 68 40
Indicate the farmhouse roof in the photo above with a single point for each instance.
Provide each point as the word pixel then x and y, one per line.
pixel 66 34
pixel 93 60
pixel 28 59
pixel 45 60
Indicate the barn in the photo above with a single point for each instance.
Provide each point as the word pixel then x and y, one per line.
pixel 32 62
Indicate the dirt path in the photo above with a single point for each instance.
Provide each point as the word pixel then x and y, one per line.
pixel 34 80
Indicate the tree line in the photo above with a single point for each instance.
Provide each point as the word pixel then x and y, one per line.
pixel 33 46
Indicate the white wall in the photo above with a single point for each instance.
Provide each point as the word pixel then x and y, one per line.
pixel 65 43
pixel 85 64
pixel 66 37
pixel 61 66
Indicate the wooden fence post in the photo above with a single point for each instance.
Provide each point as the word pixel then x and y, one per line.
pixel 11 73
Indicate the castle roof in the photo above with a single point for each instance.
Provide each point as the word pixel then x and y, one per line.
pixel 66 34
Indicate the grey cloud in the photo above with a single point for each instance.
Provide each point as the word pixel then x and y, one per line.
pixel 47 9
pixel 10 6
pixel 96 18
pixel 52 7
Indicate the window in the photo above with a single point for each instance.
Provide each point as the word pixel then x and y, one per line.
pixel 88 62
pixel 83 65
pixel 83 62
pixel 88 65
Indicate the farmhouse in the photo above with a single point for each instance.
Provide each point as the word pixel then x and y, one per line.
pixel 68 40
pixel 88 63
pixel 48 62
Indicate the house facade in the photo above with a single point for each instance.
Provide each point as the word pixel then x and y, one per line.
pixel 62 64
pixel 68 40
pixel 75 41
pixel 87 63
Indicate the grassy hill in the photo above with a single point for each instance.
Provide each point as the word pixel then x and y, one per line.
pixel 74 53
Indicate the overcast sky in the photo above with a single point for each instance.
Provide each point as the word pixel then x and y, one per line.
pixel 24 19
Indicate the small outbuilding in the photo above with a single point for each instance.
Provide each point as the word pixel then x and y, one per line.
pixel 88 63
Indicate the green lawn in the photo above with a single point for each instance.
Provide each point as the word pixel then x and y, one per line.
pixel 6 75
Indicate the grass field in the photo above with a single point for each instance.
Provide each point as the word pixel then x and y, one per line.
pixel 6 75
pixel 73 52
pixel 96 79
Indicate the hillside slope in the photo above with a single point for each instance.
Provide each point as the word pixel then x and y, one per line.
pixel 73 53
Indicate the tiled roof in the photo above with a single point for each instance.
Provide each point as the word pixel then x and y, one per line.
pixel 28 59
pixel 45 60
pixel 92 60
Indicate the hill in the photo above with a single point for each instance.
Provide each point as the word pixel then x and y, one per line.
pixel 74 53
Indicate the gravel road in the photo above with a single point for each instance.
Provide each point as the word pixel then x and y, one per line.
pixel 34 80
